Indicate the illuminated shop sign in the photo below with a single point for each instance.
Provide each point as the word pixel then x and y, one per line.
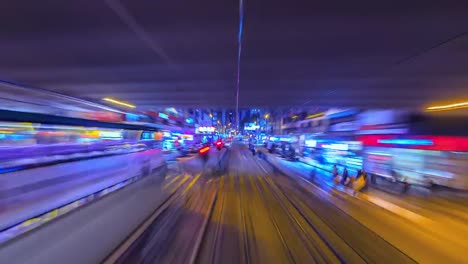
pixel 110 134
pixel 255 127
pixel 172 110
pixel 311 143
pixel 208 129
pixel 374 122
pixel 340 113
pixel 419 142
pixel 163 115
pixel 132 117
pixel 251 126
pixel 354 145
pixel 382 131
pixel 343 147
pixel 439 143
pixel 344 126
pixel 187 137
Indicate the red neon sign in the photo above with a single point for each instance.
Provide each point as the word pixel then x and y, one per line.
pixel 440 143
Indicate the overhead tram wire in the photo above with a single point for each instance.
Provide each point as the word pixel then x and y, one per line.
pixel 239 53
pixel 121 11
pixel 141 33
pixel 435 46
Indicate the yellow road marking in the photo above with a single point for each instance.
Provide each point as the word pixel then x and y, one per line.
pixel 171 182
pixel 180 183
pixel 192 182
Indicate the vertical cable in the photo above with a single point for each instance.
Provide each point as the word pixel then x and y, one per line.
pixel 239 52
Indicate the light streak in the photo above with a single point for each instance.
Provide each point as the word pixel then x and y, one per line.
pixel 204 150
pixel 128 19
pixel 107 99
pixel 420 142
pixel 448 107
pixel 315 115
pixel 239 53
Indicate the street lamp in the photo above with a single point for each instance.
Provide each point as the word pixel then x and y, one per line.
pixel 267 115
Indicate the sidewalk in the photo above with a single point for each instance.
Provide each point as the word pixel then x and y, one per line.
pixel 445 219
pixel 429 204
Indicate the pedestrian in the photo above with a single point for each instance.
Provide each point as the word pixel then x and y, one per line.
pixel 312 173
pixel 252 148
pixel 365 179
pixel 334 171
pixel 345 176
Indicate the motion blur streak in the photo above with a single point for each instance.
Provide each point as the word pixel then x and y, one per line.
pixel 448 107
pixel 331 154
pixel 139 31
pixel 239 54
pixel 107 99
pixel 204 150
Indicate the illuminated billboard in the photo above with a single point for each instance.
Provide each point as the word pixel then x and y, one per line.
pixel 205 129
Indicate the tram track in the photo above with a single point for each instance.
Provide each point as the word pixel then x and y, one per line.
pixel 157 235
pixel 252 216
pixel 245 231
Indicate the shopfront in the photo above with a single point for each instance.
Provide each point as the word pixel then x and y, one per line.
pixel 326 152
pixel 422 160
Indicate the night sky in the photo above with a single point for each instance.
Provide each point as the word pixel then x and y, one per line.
pixel 295 53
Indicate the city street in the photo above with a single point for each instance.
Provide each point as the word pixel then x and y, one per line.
pixel 252 214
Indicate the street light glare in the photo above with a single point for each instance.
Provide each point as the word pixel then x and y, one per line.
pixel 114 101
pixel 448 107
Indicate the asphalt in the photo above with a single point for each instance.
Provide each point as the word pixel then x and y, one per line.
pixel 248 212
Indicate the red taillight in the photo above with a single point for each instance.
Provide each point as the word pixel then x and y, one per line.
pixel 219 143
pixel 204 150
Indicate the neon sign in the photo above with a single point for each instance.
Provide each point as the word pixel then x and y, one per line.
pixel 187 137
pixel 163 115
pixel 439 143
pixel 255 127
pixel 311 143
pixel 206 129
pixel 419 142
pixel 334 146
pixel 110 134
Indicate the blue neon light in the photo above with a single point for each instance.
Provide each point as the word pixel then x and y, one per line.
pixel 131 117
pixel 345 113
pixel 162 115
pixel 6 170
pixel 420 142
